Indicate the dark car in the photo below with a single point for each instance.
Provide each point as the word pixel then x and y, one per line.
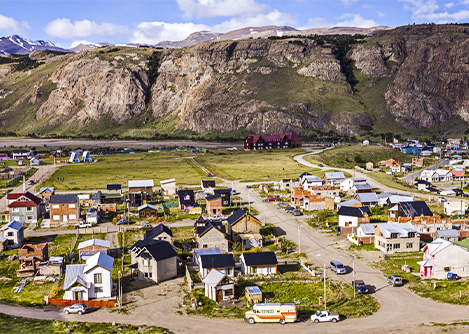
pixel 360 286
pixel 296 212
pixel 320 165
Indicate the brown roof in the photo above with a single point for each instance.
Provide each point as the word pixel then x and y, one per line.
pixel 37 250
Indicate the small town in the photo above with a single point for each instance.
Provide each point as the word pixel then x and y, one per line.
pixel 222 233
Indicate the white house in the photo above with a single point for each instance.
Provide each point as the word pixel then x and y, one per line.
pixel 350 216
pixel 74 158
pixel 86 157
pixel 311 181
pixel 349 183
pixel 168 187
pixel 334 178
pixel 454 206
pixel 91 280
pixel 442 256
pixel 392 238
pixel 260 263
pixel 13 233
pixel 218 286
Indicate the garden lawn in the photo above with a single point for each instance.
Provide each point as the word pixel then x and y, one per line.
pixel 121 168
pixel 392 182
pixel 16 325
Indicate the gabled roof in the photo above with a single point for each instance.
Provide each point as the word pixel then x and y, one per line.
pixel 74 273
pixel 438 245
pixel 368 229
pixel 367 197
pixel 351 211
pixel 385 195
pixel 63 199
pixel 214 277
pixel 167 181
pixel 365 186
pixel 208 183
pixel 94 242
pixel 50 189
pixel 217 260
pixel 222 191
pixel 349 202
pixel 186 197
pixel 33 200
pixel 259 258
pixel 312 178
pixel 16 225
pixel 218 226
pixel 458 173
pixel 400 198
pixel 402 229
pixel 237 215
pixel 210 198
pixel 334 175
pixel 416 208
pixel 206 251
pixel 157 230
pixel 448 233
pixel 141 183
pixel 144 206
pixel 160 250
pixel 99 259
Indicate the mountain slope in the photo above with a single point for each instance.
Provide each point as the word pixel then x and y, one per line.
pixel 20 45
pixel 410 80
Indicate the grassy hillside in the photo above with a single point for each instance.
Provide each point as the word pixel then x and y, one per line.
pixel 350 156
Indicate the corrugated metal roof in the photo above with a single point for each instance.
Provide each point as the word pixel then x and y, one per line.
pixel 72 272
pixel 448 233
pixel 16 225
pixel 206 251
pixel 94 242
pixel 63 199
pixel 147 206
pixel 254 290
pixel 213 278
pixel 259 258
pixel 367 228
pixel 217 260
pixel 141 183
pixel 99 259
pixel 367 197
pixel 167 181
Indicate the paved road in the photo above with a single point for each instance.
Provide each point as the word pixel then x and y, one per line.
pixel 409 178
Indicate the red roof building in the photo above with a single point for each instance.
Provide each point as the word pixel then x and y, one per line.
pixel 274 141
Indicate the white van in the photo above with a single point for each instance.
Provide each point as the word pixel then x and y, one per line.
pixel 272 312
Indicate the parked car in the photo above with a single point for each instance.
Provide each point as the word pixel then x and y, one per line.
pixel 296 212
pixel 76 308
pixel 248 187
pixel 123 221
pixel 452 276
pixel 271 198
pixel 441 199
pixel 282 205
pixel 30 182
pixel 323 316
pixel 82 225
pixel 289 209
pixel 208 174
pixel 338 267
pixel 360 286
pixel 145 227
pixel 395 280
pixel 320 165
pixel 216 217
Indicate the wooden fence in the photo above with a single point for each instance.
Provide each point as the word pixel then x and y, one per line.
pixel 89 303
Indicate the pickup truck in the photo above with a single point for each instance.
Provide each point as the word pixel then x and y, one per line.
pixel 323 316
pixel 82 225
pixel 360 286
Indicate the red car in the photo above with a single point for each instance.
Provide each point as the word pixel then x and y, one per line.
pixel 271 199
pixel 209 174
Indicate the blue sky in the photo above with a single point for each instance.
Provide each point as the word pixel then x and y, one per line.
pixel 66 22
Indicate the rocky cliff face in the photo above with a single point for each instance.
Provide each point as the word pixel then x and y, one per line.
pixel 258 86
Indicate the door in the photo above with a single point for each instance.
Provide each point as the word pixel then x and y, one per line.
pixel 64 218
pixel 77 295
pixel 219 295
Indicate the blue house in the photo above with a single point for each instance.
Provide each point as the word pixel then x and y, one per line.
pixel 411 150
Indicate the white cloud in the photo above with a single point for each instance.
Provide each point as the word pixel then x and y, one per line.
pixel 316 22
pixel 154 32
pixel 272 18
pixel 348 3
pixel 9 25
pixel 427 11
pixel 380 14
pixel 355 20
pixel 64 28
pixel 216 8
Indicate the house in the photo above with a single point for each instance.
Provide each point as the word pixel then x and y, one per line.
pixel 86 157
pixel 418 162
pixel 36 162
pixel 369 166
pixel 218 286
pixel 367 199
pixel 168 188
pixel 334 178
pixel 422 185
pixel 363 235
pixel 45 193
pixel 286 184
pixel 186 199
pixel 13 232
pixel 392 238
pixel 3 243
pixel 361 188
pixel 85 199
pixel 349 183
pixel 429 175
pixel 21 154
pixel 64 209
pixel 441 257
pixel 452 207
pixel 154 259
pixel 25 208
pixel 147 211
pixel 390 162
pixel 326 191
pixel 225 196
pixel 198 252
pixel 30 256
pixel 260 263
pixel 140 191
pixel 207 186
pixel 91 280
pixel 222 262
pixel 308 181
pixel 92 216
pixel 426 226
pixel 410 209
pixel 458 175
pixel 350 216
pixel 395 199
pixel 213 205
pixel 88 248
pixel 275 141
pixel 114 187
pixel 316 202
pixel 212 234
pixel 54 266
pixel 444 175
pixel 74 158
pixel 159 232
pixel 245 228
pixel 450 235
pixel 353 203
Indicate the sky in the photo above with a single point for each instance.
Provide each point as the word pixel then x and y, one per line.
pixel 68 22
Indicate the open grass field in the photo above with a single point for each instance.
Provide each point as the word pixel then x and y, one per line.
pixel 121 168
pixel 392 182
pixel 250 166
pixel 351 156
pixel 15 325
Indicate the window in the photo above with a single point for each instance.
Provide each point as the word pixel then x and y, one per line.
pixel 397 246
pixel 10 234
pixel 98 289
pixel 150 275
pixel 55 217
pixel 447 269
pixel 16 209
pixel 145 275
pixel 411 235
pixel 72 206
pixel 409 245
pixel 55 206
pixel 29 218
pixel 393 235
pixel 98 278
pixel 72 216
pixel 29 208
pixel 146 262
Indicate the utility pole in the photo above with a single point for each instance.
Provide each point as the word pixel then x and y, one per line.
pixel 299 240
pixel 249 200
pixel 325 300
pixel 119 289
pixel 353 269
